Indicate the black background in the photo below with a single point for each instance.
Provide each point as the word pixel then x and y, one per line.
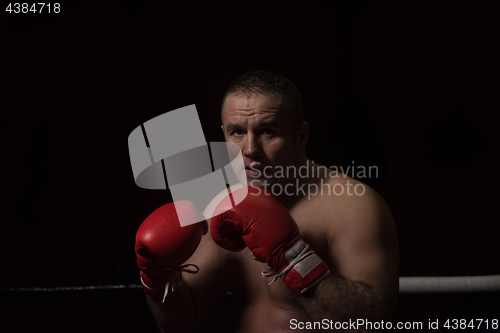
pixel 411 87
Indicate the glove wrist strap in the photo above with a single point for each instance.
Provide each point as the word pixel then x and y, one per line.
pixel 305 268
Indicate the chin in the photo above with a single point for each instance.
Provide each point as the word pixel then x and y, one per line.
pixel 257 182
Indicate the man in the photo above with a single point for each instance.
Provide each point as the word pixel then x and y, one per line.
pixel 346 224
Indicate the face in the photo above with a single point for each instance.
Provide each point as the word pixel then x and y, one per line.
pixel 263 129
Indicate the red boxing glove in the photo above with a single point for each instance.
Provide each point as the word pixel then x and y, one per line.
pixel 162 245
pixel 262 223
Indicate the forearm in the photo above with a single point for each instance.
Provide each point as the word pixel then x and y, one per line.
pixel 341 300
pixel 178 312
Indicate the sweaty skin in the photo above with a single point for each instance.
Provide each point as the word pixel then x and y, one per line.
pixel 354 234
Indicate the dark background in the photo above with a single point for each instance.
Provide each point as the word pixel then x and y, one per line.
pixel 411 87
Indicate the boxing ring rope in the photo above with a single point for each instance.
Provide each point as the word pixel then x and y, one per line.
pixel 72 291
pixel 407 285
pixel 448 284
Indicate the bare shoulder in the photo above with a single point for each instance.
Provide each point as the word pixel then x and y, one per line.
pixel 355 205
pixel 360 232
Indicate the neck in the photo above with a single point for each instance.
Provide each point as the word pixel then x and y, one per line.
pixel 298 187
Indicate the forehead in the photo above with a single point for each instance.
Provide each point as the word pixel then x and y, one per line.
pixel 239 106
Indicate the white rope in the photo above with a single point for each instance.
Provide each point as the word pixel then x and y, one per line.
pixel 448 284
pixel 407 285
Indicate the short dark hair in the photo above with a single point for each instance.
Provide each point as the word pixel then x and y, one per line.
pixel 266 83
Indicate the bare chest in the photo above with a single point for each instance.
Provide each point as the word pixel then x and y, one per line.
pixel 250 288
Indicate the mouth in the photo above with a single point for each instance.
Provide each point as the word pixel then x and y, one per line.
pixel 254 170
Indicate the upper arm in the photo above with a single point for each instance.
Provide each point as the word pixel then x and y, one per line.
pixel 363 244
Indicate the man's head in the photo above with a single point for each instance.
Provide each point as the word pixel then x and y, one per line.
pixel 262 114
pixel 269 84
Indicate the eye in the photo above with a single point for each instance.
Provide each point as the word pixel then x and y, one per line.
pixel 237 132
pixel 268 132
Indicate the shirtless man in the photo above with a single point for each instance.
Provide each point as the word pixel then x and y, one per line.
pixel 353 232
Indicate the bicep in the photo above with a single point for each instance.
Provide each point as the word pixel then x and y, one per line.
pixel 365 247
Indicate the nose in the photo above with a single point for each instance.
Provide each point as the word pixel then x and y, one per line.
pixel 251 146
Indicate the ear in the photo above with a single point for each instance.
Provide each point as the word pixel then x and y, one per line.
pixel 303 136
pixel 222 127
